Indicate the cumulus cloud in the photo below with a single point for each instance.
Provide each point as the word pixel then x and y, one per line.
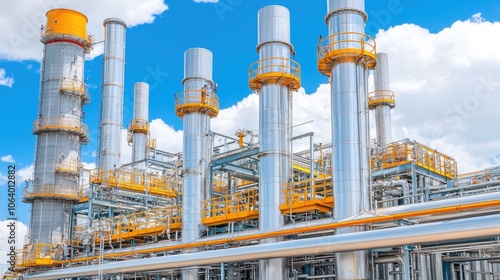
pixel 5 81
pixel 8 158
pixel 20 21
pixel 24 174
pixel 446 92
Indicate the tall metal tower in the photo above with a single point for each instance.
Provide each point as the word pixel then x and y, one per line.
pixel 59 126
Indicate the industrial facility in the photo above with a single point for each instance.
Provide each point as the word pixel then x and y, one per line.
pixel 248 206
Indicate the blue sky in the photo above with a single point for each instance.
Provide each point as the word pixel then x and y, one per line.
pixel 229 29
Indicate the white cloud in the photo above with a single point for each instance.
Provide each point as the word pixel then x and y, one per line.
pixel 24 174
pixel 20 21
pixel 8 158
pixel 446 89
pixel 5 81
pixel 206 1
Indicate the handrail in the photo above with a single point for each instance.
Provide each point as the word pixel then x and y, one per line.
pixel 381 97
pixel 231 207
pixel 281 70
pixel 60 124
pixel 52 191
pixel 69 166
pixel 197 100
pixel 75 86
pixel 308 195
pixel 139 126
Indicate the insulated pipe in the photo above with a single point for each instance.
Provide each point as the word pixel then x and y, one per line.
pixel 141 116
pixel 196 143
pixel 112 93
pixel 350 152
pixel 59 126
pixel 462 229
pixel 383 110
pixel 274 98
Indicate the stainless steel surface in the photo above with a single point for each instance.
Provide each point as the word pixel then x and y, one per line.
pixel 141 113
pixel 58 149
pixel 383 119
pixel 197 75
pixel 472 228
pixel 274 129
pixel 350 138
pixel 112 94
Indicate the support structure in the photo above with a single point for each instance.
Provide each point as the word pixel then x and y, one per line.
pixel 382 101
pixel 139 125
pixel 345 56
pixel 275 75
pixel 59 127
pixel 112 94
pixel 196 105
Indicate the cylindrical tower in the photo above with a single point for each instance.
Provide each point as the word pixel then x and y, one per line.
pixel 382 101
pixel 275 75
pixel 112 93
pixel 59 126
pixel 139 125
pixel 345 56
pixel 197 104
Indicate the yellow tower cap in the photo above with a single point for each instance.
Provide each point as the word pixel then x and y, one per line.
pixel 66 22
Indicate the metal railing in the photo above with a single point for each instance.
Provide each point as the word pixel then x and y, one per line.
pixel 75 87
pixel 139 126
pixel 350 45
pixel 404 152
pixel 47 34
pixel 233 207
pixel 201 100
pixel 61 124
pixel 152 144
pixel 281 70
pixel 38 255
pixel 308 195
pixel 378 97
pixel 136 181
pixel 31 192
pixel 68 166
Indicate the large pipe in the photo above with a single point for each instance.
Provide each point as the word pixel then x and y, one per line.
pixel 462 229
pixel 139 126
pixel 274 98
pixel 198 86
pixel 59 126
pixel 383 110
pixel 350 152
pixel 112 94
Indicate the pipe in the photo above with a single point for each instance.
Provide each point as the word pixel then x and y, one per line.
pixel 382 110
pixel 274 143
pixel 350 153
pixel 112 94
pixel 470 228
pixel 139 126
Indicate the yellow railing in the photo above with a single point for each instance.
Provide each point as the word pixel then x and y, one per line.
pixel 201 100
pixel 52 191
pixel 280 70
pixel 404 152
pixel 61 124
pixel 69 166
pixel 220 186
pixel 139 126
pixel 346 46
pixel 39 255
pixel 378 97
pixel 152 144
pixel 135 181
pixel 47 33
pixel 75 87
pixel 157 221
pixel 307 196
pixel 230 208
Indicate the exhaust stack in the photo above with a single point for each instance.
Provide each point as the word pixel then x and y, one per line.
pixel 196 105
pixel 382 101
pixel 275 75
pixel 139 125
pixel 59 127
pixel 112 94
pixel 345 56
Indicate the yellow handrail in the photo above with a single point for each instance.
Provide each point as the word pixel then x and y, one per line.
pixel 52 191
pixel 139 126
pixel 280 70
pixel 308 195
pixel 381 97
pixel 233 207
pixel 73 124
pixel 197 100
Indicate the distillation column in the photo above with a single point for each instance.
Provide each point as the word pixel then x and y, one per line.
pixel 139 125
pixel 196 105
pixel 275 75
pixel 59 126
pixel 382 101
pixel 344 56
pixel 112 93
